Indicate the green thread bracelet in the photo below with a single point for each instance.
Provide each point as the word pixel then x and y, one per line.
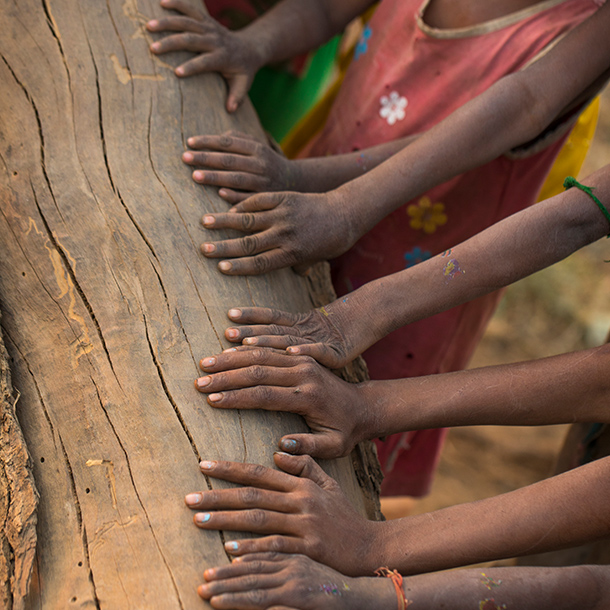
pixel 569 182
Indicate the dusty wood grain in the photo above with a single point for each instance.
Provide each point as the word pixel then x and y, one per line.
pixel 109 306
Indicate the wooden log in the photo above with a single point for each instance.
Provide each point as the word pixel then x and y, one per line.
pixel 108 306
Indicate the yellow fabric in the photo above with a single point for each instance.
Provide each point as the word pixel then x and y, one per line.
pixel 572 154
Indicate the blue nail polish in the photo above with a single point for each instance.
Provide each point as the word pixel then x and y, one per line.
pixel 231 546
pixel 203 517
pixel 289 445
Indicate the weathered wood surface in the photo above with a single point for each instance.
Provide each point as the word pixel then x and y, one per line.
pixel 108 306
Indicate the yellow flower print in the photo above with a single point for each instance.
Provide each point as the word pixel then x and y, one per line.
pixel 427 215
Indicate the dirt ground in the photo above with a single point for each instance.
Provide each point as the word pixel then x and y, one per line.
pixel 560 309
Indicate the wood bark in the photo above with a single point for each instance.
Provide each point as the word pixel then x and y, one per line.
pixel 108 307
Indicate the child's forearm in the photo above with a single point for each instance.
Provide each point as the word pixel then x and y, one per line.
pixel 511 112
pixel 322 174
pixel 568 388
pixel 292 27
pixel 563 511
pixel 529 588
pixel 502 254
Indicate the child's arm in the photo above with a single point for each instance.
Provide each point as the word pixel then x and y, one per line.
pixel 568 388
pixel 238 161
pixel 306 512
pixel 288 29
pixel 269 580
pixel 507 251
pixel 513 111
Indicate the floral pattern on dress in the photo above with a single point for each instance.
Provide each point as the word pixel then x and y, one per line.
pixel 392 107
pixel 417 255
pixel 363 44
pixel 426 216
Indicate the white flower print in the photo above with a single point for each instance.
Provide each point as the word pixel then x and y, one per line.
pixel 393 107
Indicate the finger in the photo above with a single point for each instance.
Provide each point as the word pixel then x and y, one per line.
pixel 318 351
pixel 302 466
pixel 253 475
pixel 240 498
pixel 239 85
pixel 233 142
pixel 246 332
pixel 247 582
pixel 302 269
pixel 264 556
pixel 183 7
pixel 208 62
pixel 255 563
pixel 256 520
pixel 256 265
pixel 325 445
pixel 243 180
pixel 240 222
pixel 260 203
pixel 277 544
pixel 269 398
pixel 249 377
pixel 233 197
pixel 186 41
pixel 174 24
pixel 276 341
pixel 263 315
pixel 238 247
pixel 234 359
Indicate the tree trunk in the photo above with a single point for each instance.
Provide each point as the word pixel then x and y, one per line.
pixel 108 307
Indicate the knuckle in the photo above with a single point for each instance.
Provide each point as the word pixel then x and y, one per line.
pixel 247 221
pixel 256 470
pixel 264 394
pixel 260 355
pixel 258 517
pixel 256 597
pixel 261 264
pixel 277 544
pixel 227 161
pixel 249 496
pixel 257 372
pixel 248 245
pixel 225 141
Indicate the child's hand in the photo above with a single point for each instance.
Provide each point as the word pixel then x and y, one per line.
pixel 285 229
pixel 251 378
pixel 278 580
pixel 319 333
pixel 302 510
pixel 220 50
pixel 239 161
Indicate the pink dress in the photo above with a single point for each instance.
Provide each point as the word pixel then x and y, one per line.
pixel 405 78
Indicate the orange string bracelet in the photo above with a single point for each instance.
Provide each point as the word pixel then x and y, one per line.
pixel 396 577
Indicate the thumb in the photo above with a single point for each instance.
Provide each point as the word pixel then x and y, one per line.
pixel 238 89
pixel 325 445
pixel 302 466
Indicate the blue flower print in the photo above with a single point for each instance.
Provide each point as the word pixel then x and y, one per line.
pixel 363 43
pixel 417 255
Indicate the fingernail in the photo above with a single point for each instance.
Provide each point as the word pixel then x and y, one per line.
pixel 293 350
pixel 193 498
pixel 187 156
pixel 203 381
pixel 180 71
pixel 208 220
pixel 251 340
pixel 283 453
pixel 208 248
pixel 198 175
pixel 206 465
pixel 202 517
pixel 209 573
pixel 225 266
pixel 208 361
pixel 289 444
pixel 153 23
pixel 222 193
pixel 215 397
pixel 155 46
pixel 232 333
pixel 191 141
pixel 234 313
pixel 230 349
pixel 231 546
